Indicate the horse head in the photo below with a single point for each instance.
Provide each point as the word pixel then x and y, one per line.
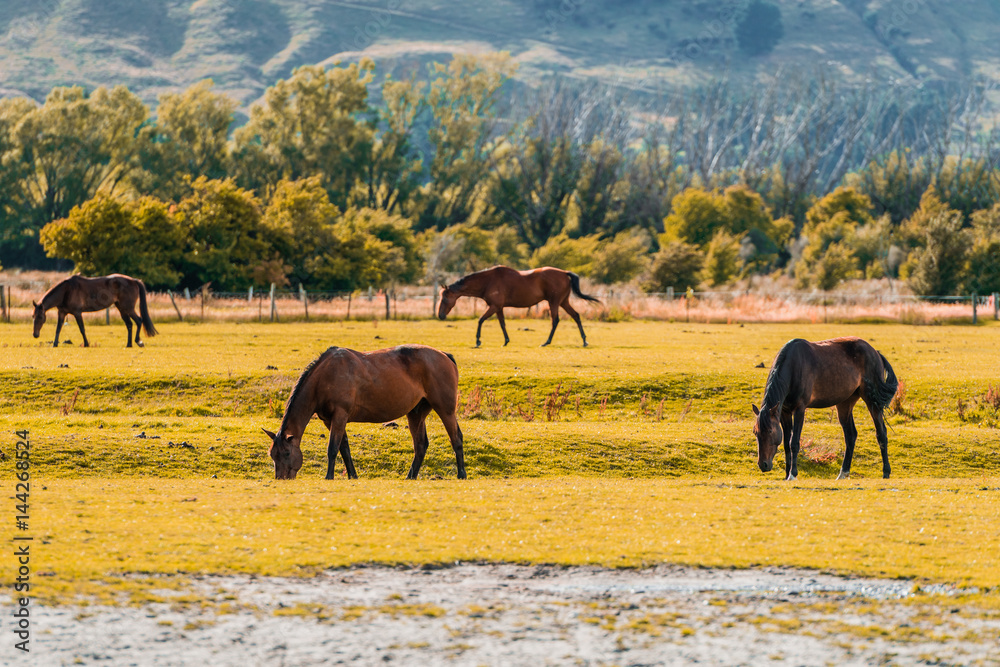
pixel 39 318
pixel 448 299
pixel 286 451
pixel 768 431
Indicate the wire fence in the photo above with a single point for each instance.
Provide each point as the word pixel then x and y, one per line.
pixel 617 303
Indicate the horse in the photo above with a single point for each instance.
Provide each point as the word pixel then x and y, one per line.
pixel 343 386
pixel 502 287
pixel 827 373
pixel 77 295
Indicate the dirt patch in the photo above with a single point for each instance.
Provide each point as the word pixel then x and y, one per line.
pixel 506 614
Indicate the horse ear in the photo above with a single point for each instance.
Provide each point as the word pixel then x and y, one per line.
pixel 272 436
pixel 34 304
pixel 756 410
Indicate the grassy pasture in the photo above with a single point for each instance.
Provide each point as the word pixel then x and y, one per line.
pixel 126 441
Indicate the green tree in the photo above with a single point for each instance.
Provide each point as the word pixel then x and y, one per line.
pixel 721 259
pixel 105 235
pixel 562 252
pixel 760 28
pixel 302 218
pixel 382 247
pixel 392 175
pixel 695 215
pixel 982 274
pixel 830 229
pixel 938 266
pixel 227 243
pixel 190 138
pixel 462 99
pixel 17 228
pixel 309 125
pixel 676 264
pixel 622 258
pixel 69 149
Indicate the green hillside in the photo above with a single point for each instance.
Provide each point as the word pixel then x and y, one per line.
pixel 245 45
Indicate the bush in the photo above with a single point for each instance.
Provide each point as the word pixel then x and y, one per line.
pixel 677 265
pixel 722 260
pixel 105 235
pixel 621 259
pixel 760 28
pixel 562 252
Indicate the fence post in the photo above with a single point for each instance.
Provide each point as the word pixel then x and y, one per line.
pixel 349 295
pixel 180 318
pixel 107 315
pixel 274 308
pixel 974 299
pixel 3 303
pixel 434 305
pixel 387 314
pixel 201 293
pixel 187 294
pixel 305 300
pixel 250 295
pixel 10 304
pixel 670 294
pixel 996 305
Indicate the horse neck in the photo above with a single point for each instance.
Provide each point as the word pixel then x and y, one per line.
pixel 54 296
pixel 472 285
pixel 776 389
pixel 301 408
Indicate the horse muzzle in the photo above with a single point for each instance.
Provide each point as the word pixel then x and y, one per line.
pixel 765 466
pixel 35 335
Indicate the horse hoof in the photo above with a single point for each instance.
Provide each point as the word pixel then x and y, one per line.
pixel 140 344
pixel 843 475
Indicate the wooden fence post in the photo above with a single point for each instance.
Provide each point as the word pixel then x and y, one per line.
pixel 349 295
pixel 387 314
pixel 305 300
pixel 434 305
pixel 996 305
pixel 250 295
pixel 107 315
pixel 3 303
pixel 670 294
pixel 10 304
pixel 274 307
pixel 974 299
pixel 180 318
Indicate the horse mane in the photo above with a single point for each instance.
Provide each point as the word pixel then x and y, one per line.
pixel 55 291
pixel 777 386
pixel 310 367
pixel 461 282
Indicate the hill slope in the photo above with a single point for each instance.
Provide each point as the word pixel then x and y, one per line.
pixel 245 45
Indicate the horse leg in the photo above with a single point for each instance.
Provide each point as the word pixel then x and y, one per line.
pixel 503 326
pixel 798 420
pixel 786 436
pixel 554 311
pixel 417 421
pixel 60 318
pixel 338 435
pixel 128 326
pixel 845 412
pixel 883 439
pixel 450 422
pixel 138 327
pixel 345 453
pixel 489 311
pixel 79 323
pixel 576 317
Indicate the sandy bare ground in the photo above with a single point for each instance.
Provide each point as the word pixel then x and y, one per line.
pixel 518 615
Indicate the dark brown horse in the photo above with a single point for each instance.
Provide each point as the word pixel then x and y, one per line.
pixel 77 295
pixel 344 386
pixel 502 287
pixel 829 373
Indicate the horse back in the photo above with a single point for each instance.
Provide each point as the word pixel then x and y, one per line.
pixel 839 366
pixel 386 384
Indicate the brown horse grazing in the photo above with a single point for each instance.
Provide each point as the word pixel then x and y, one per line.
pixel 77 295
pixel 502 287
pixel 344 386
pixel 829 373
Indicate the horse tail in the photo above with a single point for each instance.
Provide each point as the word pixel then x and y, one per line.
pixel 147 323
pixel 450 356
pixel 880 391
pixel 574 281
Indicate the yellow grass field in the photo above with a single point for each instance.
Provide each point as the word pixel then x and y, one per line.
pixel 632 452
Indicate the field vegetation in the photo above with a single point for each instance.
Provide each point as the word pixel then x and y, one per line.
pixel 633 451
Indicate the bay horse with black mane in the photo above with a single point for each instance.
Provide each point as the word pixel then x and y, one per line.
pixel 502 287
pixel 77 295
pixel 824 374
pixel 343 386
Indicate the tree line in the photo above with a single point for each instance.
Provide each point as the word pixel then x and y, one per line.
pixel 336 183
